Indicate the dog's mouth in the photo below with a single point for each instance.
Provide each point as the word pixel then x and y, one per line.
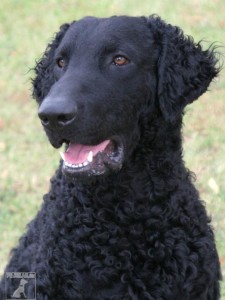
pixel 89 160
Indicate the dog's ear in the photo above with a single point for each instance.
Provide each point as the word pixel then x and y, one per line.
pixel 185 70
pixel 44 67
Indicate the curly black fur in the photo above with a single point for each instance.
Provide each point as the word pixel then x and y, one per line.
pixel 141 232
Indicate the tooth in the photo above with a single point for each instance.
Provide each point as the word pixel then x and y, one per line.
pixel 90 156
pixel 62 155
pixel 85 163
pixel 80 165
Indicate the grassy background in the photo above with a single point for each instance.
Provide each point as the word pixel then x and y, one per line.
pixel 27 160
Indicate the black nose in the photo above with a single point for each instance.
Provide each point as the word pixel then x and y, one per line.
pixel 55 114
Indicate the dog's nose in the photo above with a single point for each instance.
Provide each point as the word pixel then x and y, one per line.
pixel 55 114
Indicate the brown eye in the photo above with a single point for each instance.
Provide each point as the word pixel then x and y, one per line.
pixel 120 60
pixel 60 62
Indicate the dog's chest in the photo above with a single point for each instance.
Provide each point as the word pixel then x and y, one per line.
pixel 99 247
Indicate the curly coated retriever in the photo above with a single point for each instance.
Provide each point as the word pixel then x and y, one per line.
pixel 122 219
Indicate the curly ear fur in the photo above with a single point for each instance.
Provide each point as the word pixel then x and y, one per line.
pixel 185 70
pixel 44 67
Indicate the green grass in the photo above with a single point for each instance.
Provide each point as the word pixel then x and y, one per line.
pixel 27 160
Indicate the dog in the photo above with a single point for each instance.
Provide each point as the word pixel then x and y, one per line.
pixel 122 219
pixel 20 291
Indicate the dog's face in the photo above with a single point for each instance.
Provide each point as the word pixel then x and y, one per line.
pixel 96 79
pixel 101 69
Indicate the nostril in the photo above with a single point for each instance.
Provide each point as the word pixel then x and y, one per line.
pixel 44 119
pixel 64 119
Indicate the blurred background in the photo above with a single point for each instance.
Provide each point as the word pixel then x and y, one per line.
pixel 27 161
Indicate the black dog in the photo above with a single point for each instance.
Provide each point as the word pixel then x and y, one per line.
pixel 122 219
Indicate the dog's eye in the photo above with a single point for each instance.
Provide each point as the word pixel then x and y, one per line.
pixel 120 60
pixel 60 62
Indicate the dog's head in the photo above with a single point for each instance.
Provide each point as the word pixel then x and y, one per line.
pixel 99 76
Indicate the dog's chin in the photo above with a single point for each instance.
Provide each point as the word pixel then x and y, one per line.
pixel 92 161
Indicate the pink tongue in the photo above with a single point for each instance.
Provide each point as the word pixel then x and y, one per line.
pixel 77 154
